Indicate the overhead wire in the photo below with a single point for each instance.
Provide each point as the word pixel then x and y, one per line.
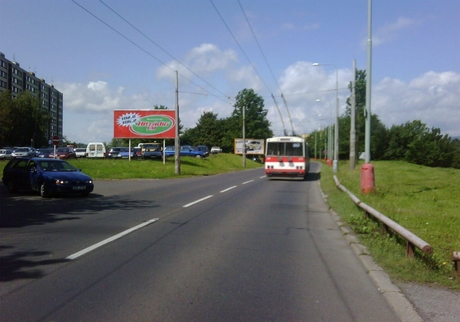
pixel 241 48
pixel 269 68
pixel 144 50
pixel 250 62
pixel 164 50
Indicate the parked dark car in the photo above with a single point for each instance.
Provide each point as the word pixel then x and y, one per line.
pixel 204 149
pixel 152 153
pixel 114 152
pixel 137 152
pixel 65 153
pixel 46 176
pixel 124 153
pixel 45 153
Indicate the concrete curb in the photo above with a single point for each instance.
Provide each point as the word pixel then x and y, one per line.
pixel 392 293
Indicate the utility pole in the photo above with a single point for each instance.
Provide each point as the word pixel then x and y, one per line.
pixel 244 135
pixel 353 120
pixel 176 139
pixel 367 169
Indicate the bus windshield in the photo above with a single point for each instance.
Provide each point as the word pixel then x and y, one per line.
pixel 285 148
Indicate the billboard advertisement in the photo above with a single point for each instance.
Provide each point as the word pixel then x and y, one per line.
pixel 253 146
pixel 140 124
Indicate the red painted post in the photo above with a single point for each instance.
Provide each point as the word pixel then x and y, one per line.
pixel 367 178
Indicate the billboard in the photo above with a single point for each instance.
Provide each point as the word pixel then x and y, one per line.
pixel 137 124
pixel 253 146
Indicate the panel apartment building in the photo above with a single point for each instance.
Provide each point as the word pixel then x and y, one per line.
pixel 15 79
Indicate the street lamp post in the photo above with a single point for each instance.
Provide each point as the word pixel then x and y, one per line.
pixel 329 147
pixel 335 163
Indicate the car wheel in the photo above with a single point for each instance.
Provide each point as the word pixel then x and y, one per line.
pixel 11 188
pixel 44 193
pixel 198 156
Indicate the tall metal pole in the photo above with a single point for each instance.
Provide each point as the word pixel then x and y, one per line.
pixel 353 121
pixel 316 144
pixel 367 169
pixel 176 139
pixel 335 164
pixel 244 136
pixel 367 141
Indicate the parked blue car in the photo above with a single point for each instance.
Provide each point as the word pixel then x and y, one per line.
pixel 124 153
pixel 46 176
pixel 185 150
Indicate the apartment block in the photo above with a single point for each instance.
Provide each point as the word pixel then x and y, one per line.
pixel 15 79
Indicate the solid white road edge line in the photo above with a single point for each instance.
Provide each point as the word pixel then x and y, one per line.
pixel 197 201
pixel 248 181
pixel 225 190
pixel 111 239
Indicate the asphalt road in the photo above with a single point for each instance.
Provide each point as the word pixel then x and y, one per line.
pixel 231 247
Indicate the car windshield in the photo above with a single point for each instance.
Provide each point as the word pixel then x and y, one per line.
pixel 22 150
pixel 55 165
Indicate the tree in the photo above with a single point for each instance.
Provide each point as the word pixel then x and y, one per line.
pixel 25 122
pixel 257 125
pixel 5 119
pixel 414 142
pixel 208 131
pixel 378 130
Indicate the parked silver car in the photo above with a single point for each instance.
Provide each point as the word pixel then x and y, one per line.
pixel 24 152
pixel 6 154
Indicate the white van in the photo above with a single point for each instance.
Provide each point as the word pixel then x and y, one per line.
pixel 96 150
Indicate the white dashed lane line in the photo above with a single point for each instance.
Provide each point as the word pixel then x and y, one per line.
pixel 111 239
pixel 197 201
pixel 225 190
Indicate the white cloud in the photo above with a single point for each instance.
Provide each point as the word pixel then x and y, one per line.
pixel 203 60
pixel 390 31
pixel 434 98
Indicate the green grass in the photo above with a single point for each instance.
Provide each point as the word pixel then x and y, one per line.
pixel 155 169
pixel 424 200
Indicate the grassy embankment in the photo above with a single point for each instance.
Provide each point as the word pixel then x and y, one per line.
pixel 424 200
pixel 155 169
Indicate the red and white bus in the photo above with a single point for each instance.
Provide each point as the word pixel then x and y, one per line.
pixel 287 156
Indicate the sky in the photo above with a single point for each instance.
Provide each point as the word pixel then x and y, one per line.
pixel 115 54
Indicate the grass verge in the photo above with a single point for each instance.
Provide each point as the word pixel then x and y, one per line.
pixel 155 169
pixel 424 200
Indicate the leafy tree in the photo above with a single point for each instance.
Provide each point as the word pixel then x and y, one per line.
pixel 456 154
pixel 6 108
pixel 414 142
pixel 378 131
pixel 208 131
pixel 25 122
pixel 256 123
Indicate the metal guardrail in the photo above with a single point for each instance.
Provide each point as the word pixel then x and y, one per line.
pixel 412 240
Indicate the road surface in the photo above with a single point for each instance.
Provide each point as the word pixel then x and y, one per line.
pixel 230 247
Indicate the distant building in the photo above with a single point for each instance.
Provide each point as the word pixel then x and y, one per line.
pixel 15 79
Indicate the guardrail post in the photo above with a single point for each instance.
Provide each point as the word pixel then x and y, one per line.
pixel 410 249
pixel 383 228
pixel 456 259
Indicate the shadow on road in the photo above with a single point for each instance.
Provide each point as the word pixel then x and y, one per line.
pixel 23 209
